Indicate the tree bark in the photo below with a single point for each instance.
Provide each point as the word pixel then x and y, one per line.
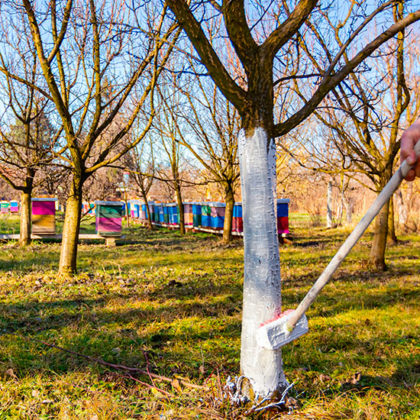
pixel 25 217
pixel 181 218
pixel 341 208
pixel 329 205
pixel 230 202
pixel 68 255
pixel 262 296
pixel 149 216
pixel 349 210
pixel 391 222
pixel 377 252
pixel 402 209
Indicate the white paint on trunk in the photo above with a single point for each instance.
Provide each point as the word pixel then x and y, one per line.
pixel 262 295
pixel 329 205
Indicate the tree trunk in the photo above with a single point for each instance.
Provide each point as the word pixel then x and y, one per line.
pixel 391 222
pixel 262 296
pixel 349 210
pixel 127 213
pixel 25 217
pixel 181 218
pixel 377 252
pixel 68 255
pixel 402 209
pixel 329 205
pixel 230 202
pixel 341 208
pixel 149 216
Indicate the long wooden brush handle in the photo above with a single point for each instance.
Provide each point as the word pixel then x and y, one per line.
pixel 352 239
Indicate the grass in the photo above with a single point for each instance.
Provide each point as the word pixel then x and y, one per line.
pixel 172 305
pixel 9 223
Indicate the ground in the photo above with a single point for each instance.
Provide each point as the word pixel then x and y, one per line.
pixel 172 306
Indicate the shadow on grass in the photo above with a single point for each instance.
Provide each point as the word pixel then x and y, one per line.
pixel 83 325
pixel 32 263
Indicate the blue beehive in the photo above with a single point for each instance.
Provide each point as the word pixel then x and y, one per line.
pixel 205 215
pixel 237 222
pixel 196 209
pixel 173 214
pixel 217 215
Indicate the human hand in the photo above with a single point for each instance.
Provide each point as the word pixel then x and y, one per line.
pixel 409 138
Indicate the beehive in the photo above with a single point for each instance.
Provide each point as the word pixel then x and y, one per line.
pixel 14 207
pixel 109 218
pixel 4 207
pixel 43 216
pixel 283 216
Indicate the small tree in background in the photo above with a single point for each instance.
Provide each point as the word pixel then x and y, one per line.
pixel 209 130
pixel 365 119
pixel 141 165
pixel 27 136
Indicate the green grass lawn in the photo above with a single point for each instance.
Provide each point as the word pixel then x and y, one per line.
pixel 9 223
pixel 172 306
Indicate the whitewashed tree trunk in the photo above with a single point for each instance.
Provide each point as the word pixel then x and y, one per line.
pixel 329 205
pixel 349 210
pixel 262 295
pixel 341 208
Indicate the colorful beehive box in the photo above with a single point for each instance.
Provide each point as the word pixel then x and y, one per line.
pixel 173 214
pixel 132 209
pixel 58 206
pixel 166 214
pixel 135 209
pixel 109 218
pixel 205 215
pixel 4 207
pixel 154 212
pixel 188 215
pixel 143 212
pixel 43 216
pixel 126 211
pixel 159 213
pixel 217 215
pixel 237 221
pixel 283 216
pixel 14 207
pixel 88 208
pixel 196 208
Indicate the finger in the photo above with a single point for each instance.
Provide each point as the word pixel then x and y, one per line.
pixel 407 149
pixel 410 175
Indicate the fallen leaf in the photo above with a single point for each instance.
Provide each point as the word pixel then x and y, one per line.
pixel 9 372
pixel 177 385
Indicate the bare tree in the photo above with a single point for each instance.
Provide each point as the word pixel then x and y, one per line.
pixel 265 39
pixel 166 128
pixel 365 119
pixel 27 137
pixel 93 76
pixel 141 165
pixel 210 131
